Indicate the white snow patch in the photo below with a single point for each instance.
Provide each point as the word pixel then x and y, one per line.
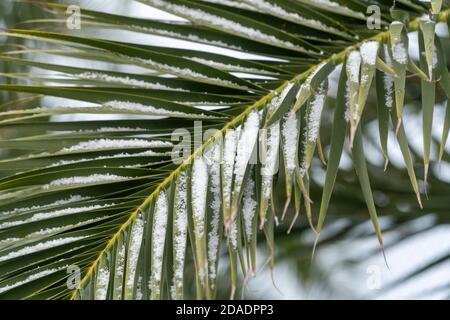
pixel 290 140
pixel 146 109
pixel 315 114
pixel 213 154
pixel 245 147
pixel 133 251
pixel 184 72
pixel 30 278
pixel 203 17
pixel 399 52
pixel 199 188
pixel 249 209
pixel 71 199
pixel 353 66
pixel 52 214
pixel 102 144
pixel 369 52
pixel 274 9
pixel 93 178
pixel 334 5
pixel 388 81
pixel 125 80
pixel 102 284
pixel 180 232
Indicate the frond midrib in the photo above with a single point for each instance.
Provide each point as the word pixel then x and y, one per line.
pixel 335 58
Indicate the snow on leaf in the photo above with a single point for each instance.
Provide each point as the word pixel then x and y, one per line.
pixel 245 147
pixel 229 155
pixel 201 16
pixel 290 140
pixel 199 188
pixel 399 52
pixel 274 9
pixel 249 208
pixel 315 113
pixel 180 234
pixel 369 51
pixel 353 66
pixel 147 109
pixel 388 81
pixel 93 178
pixel 134 248
pixel 101 144
pixel 52 214
pixel 30 278
pixel 125 80
pixel 215 204
pixel 158 243
pixel 102 284
pixel 71 199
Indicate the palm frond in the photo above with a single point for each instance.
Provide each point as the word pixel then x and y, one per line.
pixel 109 195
